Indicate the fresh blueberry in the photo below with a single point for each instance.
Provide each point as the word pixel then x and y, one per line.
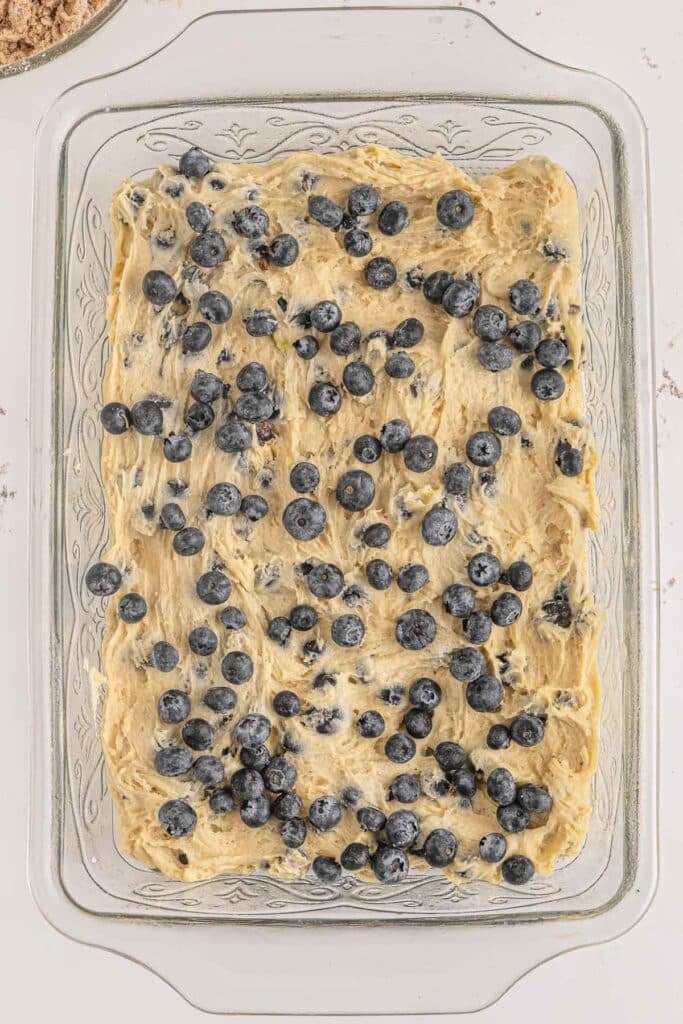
pixel 172 516
pixel 377 536
pixel 460 297
pixel 194 163
pixel 286 703
pixel 367 449
pixel 324 398
pixel 355 856
pixel 455 209
pixel 206 387
pixel 412 577
pixel 400 366
pixel 237 667
pixel 440 848
pixel 380 273
pixel 164 656
pixel 418 723
pixel 177 818
pixel 199 216
pixel 484 569
pixel 379 574
pixel 463 781
pixel 253 507
pixel 490 323
pixel 484 694
pixel 221 801
pixel 390 865
pixel 350 795
pixel 415 629
pixel 506 609
pixel 287 806
pixel 233 436
pixel 325 211
pixel 547 385
pixel 363 200
pixel 304 519
pixel 233 618
pixel 483 448
pixel 251 222
pixel 394 435
pixel 326 316
pixel 306 347
pixel 304 477
pixel 393 218
pixel 358 378
pixel 252 377
pixel 477 627
pixel 325 581
pixel 466 664
pixel 202 641
pixel 302 617
pixel 159 288
pixel 172 761
pixel 504 421
pixel 255 812
pixel 355 490
pixel 223 499
pixel 208 249
pixel 215 307
pixel 518 870
pixel 280 775
pixel 402 829
pixel 493 847
pixel 199 416
pixel 279 630
pixel 253 730
pixel 197 734
pixel 293 832
pixel 512 817
pixel 260 324
pixel 254 408
pixel 534 799
pixel 325 813
pixel 449 755
pixel 357 242
pixel 326 869
pixel 495 357
pixel 348 630
pixel 209 771
pixel 439 526
pixel 458 600
pixel 283 251
pixel 220 699
pixel 498 738
pixel 147 417
pixel 552 353
pixel 177 447
pixel 436 286
pixel 255 757
pixel 370 819
pixel 457 478
pixel 569 460
pixel 408 333
pixel 103 579
pixel 400 748
pixel 115 418
pixel 132 608
pixel 213 587
pixel 345 338
pixel 425 694
pixel 501 786
pixel 526 336
pixel 525 297
pixel 371 724
pixel 527 730
pixel 419 453
pixel 405 788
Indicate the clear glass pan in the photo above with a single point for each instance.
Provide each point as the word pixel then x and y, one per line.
pixel 417 80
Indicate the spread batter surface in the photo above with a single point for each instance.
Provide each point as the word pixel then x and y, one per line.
pixel 385 657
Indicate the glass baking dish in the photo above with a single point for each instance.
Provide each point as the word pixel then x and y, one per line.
pixel 350 77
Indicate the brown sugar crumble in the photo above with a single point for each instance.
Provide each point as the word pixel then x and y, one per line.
pixel 29 26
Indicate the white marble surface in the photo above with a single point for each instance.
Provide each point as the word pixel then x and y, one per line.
pixel 628 980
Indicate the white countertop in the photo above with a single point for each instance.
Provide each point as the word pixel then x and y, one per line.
pixel 628 981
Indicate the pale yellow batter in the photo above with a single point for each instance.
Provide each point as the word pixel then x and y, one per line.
pixel 524 216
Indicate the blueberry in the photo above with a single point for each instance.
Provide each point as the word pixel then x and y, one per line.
pixel 115 418
pixel 357 242
pixel 223 499
pixel 463 781
pixel 370 819
pixel 197 734
pixel 419 453
pixel 358 378
pixel 202 641
pixel 304 519
pixel 405 788
pixel 325 581
pixel 348 630
pixel 252 730
pixel 483 448
pixel 393 695
pixel 355 490
pixel 552 353
pixel 394 435
pixel 215 307
pixel 399 365
pixel 371 724
pixel 233 618
pixel 393 218
pixel 569 460
pixel 237 667
pixel 512 817
pixel 367 449
pixel 436 286
pixel 400 748
pixel 457 478
pixel 279 630
pixel 255 757
pixel 518 870
pixel 287 806
pixel 324 398
pixel 325 316
pixel 402 829
pixel 194 163
pixel 233 436
pixel 490 323
pixel 260 324
pixel 177 447
pixel 484 694
pixel 306 347
pixel 534 799
pixel 221 801
pixel 484 569
pixel 253 507
pixel 363 200
pixel 415 629
pixel 527 730
pixel 220 699
pixel 283 251
pixel 377 536
pixel 159 288
pixel 355 856
pixel 293 832
pixel 455 209
pixel 526 336
pixel 504 421
pixel 418 723
pixel 458 600
pixel 213 587
pixel 199 416
pixel 440 848
pixel 345 339
pixel 304 477
pixel 498 738
pixel 172 761
pixel 326 869
pixel 547 385
pixel 412 578
pixel 525 297
pixel 379 574
pixel 252 377
pixel 199 216
pixel 390 865
pixel 251 222
pixel 449 755
pixel 286 704
pixel 325 211
pixel 325 813
pixel 164 656
pixel 173 707
pixel 493 847
pixel 280 775
pixel 147 417
pixel 460 297
pixel 208 249
pixel 408 333
pixel 209 771
pixel 302 617
pixel 206 388
pixel 477 627
pixel 506 609
pixel 103 579
pixel 255 812
pixel 380 273
pixel 177 818
pixel 495 357
pixel 439 526
pixel 254 408
pixel 425 693
pixel 501 787
pixel 172 516
pixel 466 664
